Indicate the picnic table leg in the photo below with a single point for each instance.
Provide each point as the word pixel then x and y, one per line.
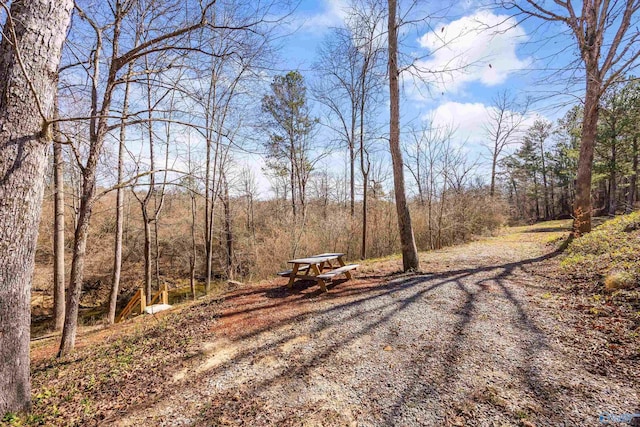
pixel 316 271
pixel 292 276
pixel 342 264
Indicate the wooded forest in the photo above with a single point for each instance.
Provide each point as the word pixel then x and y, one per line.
pixel 153 143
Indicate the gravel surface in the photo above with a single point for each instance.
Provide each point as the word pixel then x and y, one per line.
pixel 474 340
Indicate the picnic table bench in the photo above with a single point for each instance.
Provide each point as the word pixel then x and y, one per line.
pixel 313 268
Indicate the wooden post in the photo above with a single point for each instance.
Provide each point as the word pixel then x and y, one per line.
pixel 165 294
pixel 143 300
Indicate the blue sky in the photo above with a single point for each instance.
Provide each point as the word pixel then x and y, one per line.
pixel 479 64
pixel 498 59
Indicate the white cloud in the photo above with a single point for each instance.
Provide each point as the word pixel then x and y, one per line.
pixel 476 48
pixel 468 120
pixel 333 14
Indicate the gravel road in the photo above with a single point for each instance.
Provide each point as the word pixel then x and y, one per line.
pixel 473 340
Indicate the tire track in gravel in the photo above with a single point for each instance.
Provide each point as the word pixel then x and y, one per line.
pixel 467 344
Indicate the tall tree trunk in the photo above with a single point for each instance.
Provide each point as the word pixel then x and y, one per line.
pixel 117 250
pixel 117 247
pixel 194 248
pixel 613 185
pixel 352 160
pixel 97 131
pixel 536 195
pixel 144 203
pixel 410 259
pixel 633 180
pixel 156 254
pixel 494 164
pixel 228 233
pixel 553 198
pixel 430 217
pixel 159 204
pixel 58 238
pixel 147 256
pixel 545 189
pixel 208 233
pixel 293 179
pixel 35 30
pixel 87 201
pixel 365 202
pixel 365 166
pixel 582 205
pixel 515 197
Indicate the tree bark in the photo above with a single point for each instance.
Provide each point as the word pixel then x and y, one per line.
pixel 30 51
pixel 144 203
pixel 58 238
pixel 70 328
pixel 613 187
pixel 543 163
pixel 352 160
pixel 410 259
pixel 582 206
pixel 494 164
pixel 536 195
pixel 631 197
pixel 292 178
pixel 117 249
pixel 228 232
pixel 365 207
pixel 194 247
pixel 208 214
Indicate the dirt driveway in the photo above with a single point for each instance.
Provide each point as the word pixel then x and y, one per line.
pixel 479 338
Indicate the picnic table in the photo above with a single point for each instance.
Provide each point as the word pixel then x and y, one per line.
pixel 312 268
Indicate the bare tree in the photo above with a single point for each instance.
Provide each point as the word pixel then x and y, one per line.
pixel 102 91
pixel 606 36
pixel 428 163
pixel 117 249
pixel 30 52
pixel 227 237
pixel 58 236
pixel 249 190
pixel 155 191
pixel 190 183
pixel 505 118
pixel 338 90
pixel 235 56
pixel 365 23
pixel 410 260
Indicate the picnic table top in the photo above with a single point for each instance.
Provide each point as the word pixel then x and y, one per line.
pixel 316 259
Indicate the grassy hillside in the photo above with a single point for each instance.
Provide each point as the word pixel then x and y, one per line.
pixel 609 257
